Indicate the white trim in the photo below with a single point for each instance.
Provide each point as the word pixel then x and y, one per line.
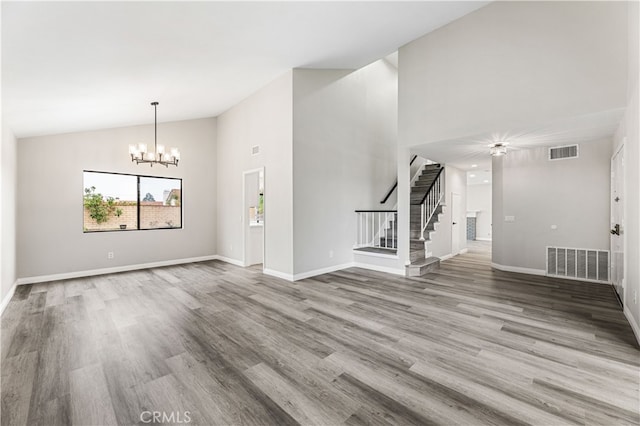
pixel 368 253
pixel 518 269
pixel 321 271
pixel 230 260
pixel 450 255
pixel 446 256
pixel 124 268
pixel 278 274
pixel 379 268
pixel 482 239
pixel 7 298
pixel 635 327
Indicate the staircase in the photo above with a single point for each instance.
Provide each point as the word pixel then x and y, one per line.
pixel 377 230
pixel 420 264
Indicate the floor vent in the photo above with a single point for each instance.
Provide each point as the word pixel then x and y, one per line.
pixel 563 152
pixel 579 264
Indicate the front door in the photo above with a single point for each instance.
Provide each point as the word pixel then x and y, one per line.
pixel 617 222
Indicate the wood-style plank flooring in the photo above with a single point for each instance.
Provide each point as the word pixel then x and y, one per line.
pixel 217 344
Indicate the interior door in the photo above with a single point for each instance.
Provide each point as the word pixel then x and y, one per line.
pixel 617 222
pixel 456 223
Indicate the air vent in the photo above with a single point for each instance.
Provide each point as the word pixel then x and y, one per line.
pixel 255 150
pixel 578 264
pixel 563 152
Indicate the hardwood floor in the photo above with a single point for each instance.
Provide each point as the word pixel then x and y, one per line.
pixel 213 343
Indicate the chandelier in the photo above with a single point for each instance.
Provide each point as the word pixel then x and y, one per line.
pixel 497 149
pixel 139 152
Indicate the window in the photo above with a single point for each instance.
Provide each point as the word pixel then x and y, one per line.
pixel 116 201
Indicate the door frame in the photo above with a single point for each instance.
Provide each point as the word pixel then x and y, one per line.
pixel 620 178
pixel 453 212
pixel 245 216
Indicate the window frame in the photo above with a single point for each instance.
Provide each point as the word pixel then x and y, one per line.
pixel 137 176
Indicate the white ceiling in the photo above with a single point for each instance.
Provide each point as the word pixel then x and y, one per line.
pixel 479 176
pixel 71 66
pixel 463 153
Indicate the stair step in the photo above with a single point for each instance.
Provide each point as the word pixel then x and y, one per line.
pixel 423 183
pixel 416 255
pixel 421 267
pixel 414 243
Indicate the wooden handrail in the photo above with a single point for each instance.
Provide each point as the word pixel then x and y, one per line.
pixel 395 185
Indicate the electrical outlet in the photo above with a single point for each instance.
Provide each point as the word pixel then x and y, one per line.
pixel 110 255
pixel 330 254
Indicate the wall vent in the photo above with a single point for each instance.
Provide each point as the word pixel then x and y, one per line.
pixel 255 150
pixel 578 264
pixel 563 152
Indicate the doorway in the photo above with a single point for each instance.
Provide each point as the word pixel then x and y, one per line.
pixel 254 217
pixel 617 222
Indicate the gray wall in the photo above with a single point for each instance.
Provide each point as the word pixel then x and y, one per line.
pixel 572 194
pixel 50 185
pixel 8 157
pixel 492 69
pixel 440 244
pixel 344 157
pixel 264 119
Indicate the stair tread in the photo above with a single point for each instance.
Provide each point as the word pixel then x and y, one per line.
pixel 425 262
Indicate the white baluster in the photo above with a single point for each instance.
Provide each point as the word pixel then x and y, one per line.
pixel 393 226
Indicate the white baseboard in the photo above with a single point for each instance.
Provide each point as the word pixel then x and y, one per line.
pixel 278 274
pixel 386 269
pixel 321 271
pixel 6 299
pixel 518 269
pixel 483 239
pixel 124 268
pixel 445 257
pixel 231 261
pixel 634 326
pixel 463 251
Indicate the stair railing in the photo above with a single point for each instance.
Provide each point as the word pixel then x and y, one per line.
pixel 376 228
pixel 431 201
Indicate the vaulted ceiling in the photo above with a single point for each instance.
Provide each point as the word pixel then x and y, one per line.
pixel 71 66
